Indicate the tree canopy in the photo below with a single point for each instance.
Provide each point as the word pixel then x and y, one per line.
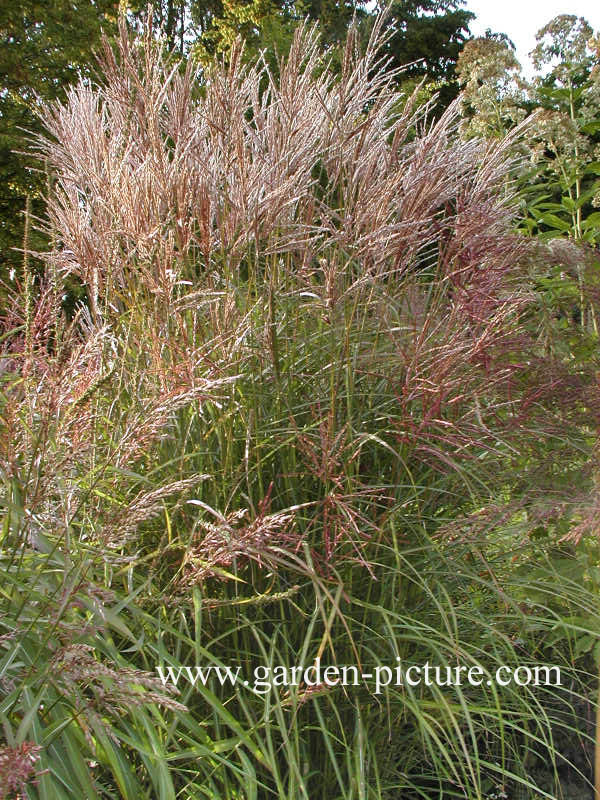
pixel 44 45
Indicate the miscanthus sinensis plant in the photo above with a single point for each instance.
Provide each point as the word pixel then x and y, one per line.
pixel 309 395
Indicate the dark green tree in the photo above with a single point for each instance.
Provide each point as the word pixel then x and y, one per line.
pixel 44 44
pixel 173 18
pixel 428 35
pixel 334 17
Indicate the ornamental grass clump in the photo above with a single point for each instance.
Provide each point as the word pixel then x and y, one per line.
pixel 316 243
pixel 308 369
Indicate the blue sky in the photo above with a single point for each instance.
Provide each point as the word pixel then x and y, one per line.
pixel 521 19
